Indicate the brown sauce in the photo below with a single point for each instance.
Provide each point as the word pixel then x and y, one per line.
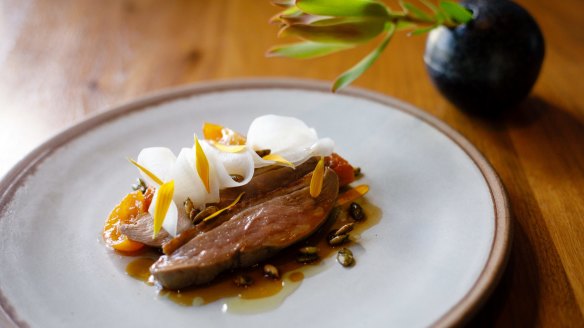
pixel 292 272
pixel 140 269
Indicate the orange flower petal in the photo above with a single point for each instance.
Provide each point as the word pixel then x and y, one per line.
pixel 278 159
pixel 352 194
pixel 229 148
pixel 202 164
pixel 224 209
pixel 147 172
pixel 163 199
pixel 317 179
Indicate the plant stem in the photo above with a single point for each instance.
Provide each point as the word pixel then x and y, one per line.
pixel 403 17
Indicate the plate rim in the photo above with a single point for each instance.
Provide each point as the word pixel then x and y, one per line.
pixel 460 313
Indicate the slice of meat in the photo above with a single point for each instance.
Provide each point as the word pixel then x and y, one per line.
pixel 252 234
pixel 141 229
pixel 265 180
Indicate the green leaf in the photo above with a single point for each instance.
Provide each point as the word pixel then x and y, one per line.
pixel 424 30
pixel 344 8
pixel 299 18
pixel 337 30
pixel 403 25
pixel 416 12
pixel 354 72
pixel 330 21
pixel 283 3
pixel 430 6
pixel 284 15
pixel 291 11
pixel 305 50
pixel 440 17
pixel 456 11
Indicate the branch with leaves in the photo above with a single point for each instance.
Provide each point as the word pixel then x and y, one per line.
pixel 330 26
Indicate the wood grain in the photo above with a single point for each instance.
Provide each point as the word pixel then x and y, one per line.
pixel 61 61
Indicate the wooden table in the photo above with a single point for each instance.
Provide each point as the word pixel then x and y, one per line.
pixel 61 61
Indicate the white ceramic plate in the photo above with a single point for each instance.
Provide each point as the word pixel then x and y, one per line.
pixel 434 257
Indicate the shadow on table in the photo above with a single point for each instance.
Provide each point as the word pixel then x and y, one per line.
pixel 528 112
pixel 532 110
pixel 542 131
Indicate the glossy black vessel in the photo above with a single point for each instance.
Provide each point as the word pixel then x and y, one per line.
pixel 490 64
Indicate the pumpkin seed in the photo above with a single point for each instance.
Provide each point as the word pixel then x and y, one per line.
pixel 356 212
pixel 205 213
pixel 308 250
pixel 237 177
pixel 345 257
pixel 307 258
pixel 271 271
pixel 263 152
pixel 338 240
pixel 193 214
pixel 242 281
pixel 188 206
pixel 307 254
pixel 345 229
pixel 341 235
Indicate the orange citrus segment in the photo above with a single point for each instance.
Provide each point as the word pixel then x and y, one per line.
pixel 222 135
pixel 212 131
pixel 344 170
pixel 127 210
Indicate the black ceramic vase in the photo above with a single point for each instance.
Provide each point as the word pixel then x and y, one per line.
pixel 490 64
